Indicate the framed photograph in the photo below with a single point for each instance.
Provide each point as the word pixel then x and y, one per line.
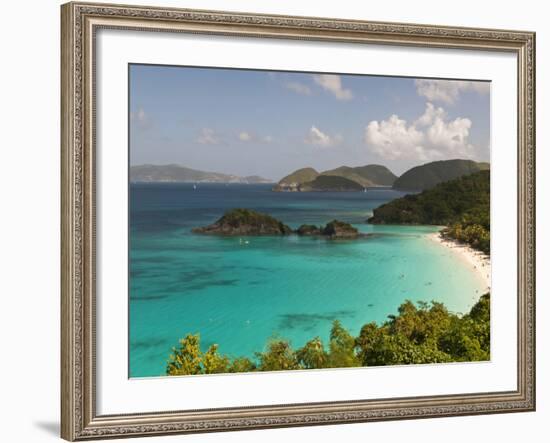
pixel 285 221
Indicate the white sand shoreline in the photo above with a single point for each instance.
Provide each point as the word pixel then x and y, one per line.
pixel 479 261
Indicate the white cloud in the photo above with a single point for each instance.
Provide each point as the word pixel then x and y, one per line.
pixel 333 84
pixel 208 136
pixel 245 136
pixel 318 138
pixel 431 113
pixel 430 137
pixel 298 88
pixel 393 139
pixel 448 91
pixel 248 136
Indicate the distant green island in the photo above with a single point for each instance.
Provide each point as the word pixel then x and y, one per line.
pixel 341 179
pixel 344 178
pixel 181 174
pixel 359 178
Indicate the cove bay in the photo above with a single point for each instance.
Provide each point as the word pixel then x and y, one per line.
pixel 239 292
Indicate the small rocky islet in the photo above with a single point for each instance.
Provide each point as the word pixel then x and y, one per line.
pixel 242 221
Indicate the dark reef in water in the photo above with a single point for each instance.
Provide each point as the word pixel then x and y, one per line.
pixel 249 222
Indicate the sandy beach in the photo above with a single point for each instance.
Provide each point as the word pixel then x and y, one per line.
pixel 479 261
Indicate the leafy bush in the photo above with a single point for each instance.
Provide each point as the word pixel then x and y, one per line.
pixel 420 333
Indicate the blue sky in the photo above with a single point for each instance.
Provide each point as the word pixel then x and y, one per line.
pixel 249 122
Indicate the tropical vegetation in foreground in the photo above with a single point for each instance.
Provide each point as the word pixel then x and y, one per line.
pixel 420 333
pixel 462 204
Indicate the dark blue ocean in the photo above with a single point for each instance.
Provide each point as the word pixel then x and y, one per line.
pixel 240 292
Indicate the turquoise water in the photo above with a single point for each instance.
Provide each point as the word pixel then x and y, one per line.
pixel 238 293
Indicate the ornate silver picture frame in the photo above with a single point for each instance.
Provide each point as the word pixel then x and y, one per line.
pixel 80 23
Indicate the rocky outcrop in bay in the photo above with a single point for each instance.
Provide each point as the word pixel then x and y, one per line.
pixel 247 222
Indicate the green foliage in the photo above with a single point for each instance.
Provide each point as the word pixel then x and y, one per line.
pixel 242 221
pixel 342 348
pixel 313 355
pixel 469 339
pixel 189 360
pixel 331 183
pixel 278 357
pixel 471 231
pixel 461 204
pixel 213 362
pixel 243 216
pixel 242 364
pixel 419 333
pixel 447 203
pixel 410 337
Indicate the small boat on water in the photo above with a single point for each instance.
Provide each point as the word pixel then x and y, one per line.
pixel 194 187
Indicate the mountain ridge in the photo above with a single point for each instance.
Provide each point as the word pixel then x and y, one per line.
pixel 308 179
pixel 368 175
pixel 174 173
pixel 428 175
pixel 342 178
